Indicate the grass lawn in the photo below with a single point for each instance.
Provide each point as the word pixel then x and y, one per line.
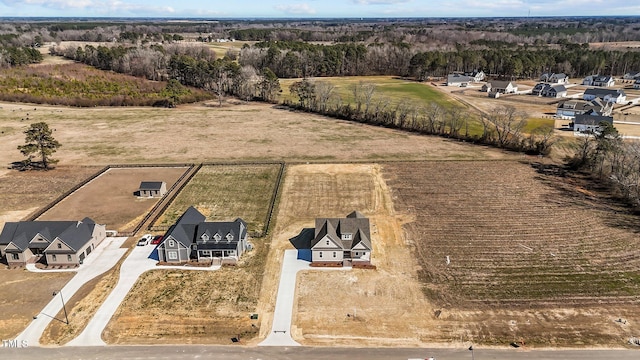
pixel 538 123
pixel 224 193
pixel 397 90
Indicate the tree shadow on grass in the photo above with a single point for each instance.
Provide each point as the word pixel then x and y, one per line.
pixel 577 189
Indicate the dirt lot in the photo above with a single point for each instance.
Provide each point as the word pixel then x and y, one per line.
pixel 533 256
pixel 109 199
pixel 23 295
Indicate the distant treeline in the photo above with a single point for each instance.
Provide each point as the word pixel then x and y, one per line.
pixel 293 59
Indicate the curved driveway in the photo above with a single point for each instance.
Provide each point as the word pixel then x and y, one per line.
pixel 103 258
pixel 132 267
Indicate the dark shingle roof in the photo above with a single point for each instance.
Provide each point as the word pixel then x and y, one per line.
pixel 601 93
pixel 151 185
pixel 73 233
pixel 355 224
pixel 191 225
pixel 592 119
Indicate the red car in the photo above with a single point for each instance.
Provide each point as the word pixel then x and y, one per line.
pixel 156 239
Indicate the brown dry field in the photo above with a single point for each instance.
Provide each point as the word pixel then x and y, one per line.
pixel 204 132
pixel 191 307
pixel 537 257
pixel 108 199
pixel 23 295
pixel 22 193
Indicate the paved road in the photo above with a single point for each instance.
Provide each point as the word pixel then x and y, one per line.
pixel 164 352
pixel 103 258
pixel 132 267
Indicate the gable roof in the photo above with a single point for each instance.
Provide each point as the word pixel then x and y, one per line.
pixel 496 84
pixel 151 185
pixel 585 119
pixel 73 233
pixel 601 93
pixel 355 224
pixel 457 78
pixel 191 225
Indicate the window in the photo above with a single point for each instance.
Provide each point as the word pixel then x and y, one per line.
pixel 346 236
pixel 334 254
pixel 357 253
pixel 205 237
pixel 69 258
pixel 320 254
pixel 172 243
pixel 217 237
pixel 59 246
pixel 15 256
pixel 54 257
pixel 327 242
pixel 229 237
pixel 173 255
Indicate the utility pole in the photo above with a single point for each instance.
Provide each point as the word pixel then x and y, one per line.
pixel 63 306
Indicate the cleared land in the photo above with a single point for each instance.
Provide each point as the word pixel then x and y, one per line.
pixel 205 132
pixel 109 199
pixel 383 300
pixel 533 255
pixel 191 307
pixel 224 193
pixel 23 295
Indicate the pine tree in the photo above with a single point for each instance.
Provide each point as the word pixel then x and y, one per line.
pixel 38 141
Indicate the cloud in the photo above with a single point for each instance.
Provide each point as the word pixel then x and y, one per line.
pixel 296 9
pixel 379 2
pixel 103 7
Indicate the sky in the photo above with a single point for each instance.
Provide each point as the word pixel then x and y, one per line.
pixel 316 8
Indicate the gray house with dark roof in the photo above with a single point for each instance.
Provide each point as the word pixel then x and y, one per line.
pixel 151 189
pixel 192 238
pixel 590 123
pixel 59 242
pixel 607 95
pixel 342 240
pixel 570 108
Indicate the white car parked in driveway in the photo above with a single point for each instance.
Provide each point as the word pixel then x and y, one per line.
pixel 145 239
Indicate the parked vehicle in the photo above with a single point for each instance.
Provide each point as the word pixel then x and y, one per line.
pixel 157 239
pixel 145 239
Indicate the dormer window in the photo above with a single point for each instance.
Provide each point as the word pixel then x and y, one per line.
pixel 205 237
pixel 229 237
pixel 346 236
pixel 217 237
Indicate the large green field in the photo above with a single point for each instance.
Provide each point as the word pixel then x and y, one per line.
pixel 394 89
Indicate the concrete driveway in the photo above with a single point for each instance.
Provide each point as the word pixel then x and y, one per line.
pixel 280 334
pixel 103 258
pixel 132 267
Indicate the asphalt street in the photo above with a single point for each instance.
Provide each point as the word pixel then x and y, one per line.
pixel 299 352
